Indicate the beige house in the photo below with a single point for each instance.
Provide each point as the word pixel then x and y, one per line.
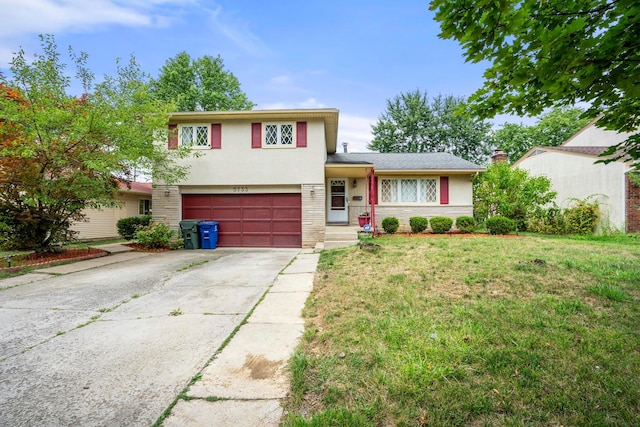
pixel 135 200
pixel 272 178
pixel 574 174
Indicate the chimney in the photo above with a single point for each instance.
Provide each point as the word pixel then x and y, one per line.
pixel 344 147
pixel 499 156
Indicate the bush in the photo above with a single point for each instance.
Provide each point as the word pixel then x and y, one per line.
pixel 418 224
pixel 390 224
pixel 500 225
pixel 582 218
pixel 441 224
pixel 128 227
pixel 465 224
pixel 155 236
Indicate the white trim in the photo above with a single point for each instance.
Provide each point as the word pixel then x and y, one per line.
pixel 279 143
pixel 207 126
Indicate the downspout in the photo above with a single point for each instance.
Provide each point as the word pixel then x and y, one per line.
pixel 372 191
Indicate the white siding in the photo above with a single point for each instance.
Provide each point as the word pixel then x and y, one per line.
pixel 574 176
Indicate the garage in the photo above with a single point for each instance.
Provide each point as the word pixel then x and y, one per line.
pixel 249 220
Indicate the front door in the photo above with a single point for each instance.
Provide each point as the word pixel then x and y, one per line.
pixel 338 207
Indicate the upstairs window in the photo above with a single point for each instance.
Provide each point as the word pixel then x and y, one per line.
pixel 194 136
pixel 409 190
pixel 278 135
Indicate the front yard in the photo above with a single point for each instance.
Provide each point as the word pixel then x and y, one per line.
pixel 446 331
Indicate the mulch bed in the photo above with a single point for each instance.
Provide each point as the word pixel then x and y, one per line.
pixel 451 234
pixel 140 248
pixel 19 262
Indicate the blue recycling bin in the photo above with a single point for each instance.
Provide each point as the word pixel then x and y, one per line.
pixel 208 234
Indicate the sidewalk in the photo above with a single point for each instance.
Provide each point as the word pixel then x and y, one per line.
pixel 245 383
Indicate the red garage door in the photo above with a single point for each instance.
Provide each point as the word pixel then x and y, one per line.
pixel 249 220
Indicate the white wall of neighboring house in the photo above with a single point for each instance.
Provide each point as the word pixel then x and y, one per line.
pixel 591 136
pixel 101 223
pixel 576 176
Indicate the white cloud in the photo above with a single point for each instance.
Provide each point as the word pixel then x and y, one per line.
pixel 356 131
pixel 237 30
pixel 49 16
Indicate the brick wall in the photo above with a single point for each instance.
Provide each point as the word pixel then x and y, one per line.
pixel 313 214
pixel 166 208
pixel 632 206
pixel 403 213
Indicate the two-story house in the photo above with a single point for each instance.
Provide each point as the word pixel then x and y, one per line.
pixel 272 178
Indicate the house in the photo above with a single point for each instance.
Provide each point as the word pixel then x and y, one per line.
pixel 135 200
pixel 574 174
pixel 272 178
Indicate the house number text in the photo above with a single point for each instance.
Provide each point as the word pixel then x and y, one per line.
pixel 240 189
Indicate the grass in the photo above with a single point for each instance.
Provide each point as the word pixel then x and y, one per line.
pixel 452 331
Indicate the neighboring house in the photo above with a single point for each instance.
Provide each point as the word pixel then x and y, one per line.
pixel 272 178
pixel 574 174
pixel 135 200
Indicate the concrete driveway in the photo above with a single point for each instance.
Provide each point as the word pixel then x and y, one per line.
pixel 114 345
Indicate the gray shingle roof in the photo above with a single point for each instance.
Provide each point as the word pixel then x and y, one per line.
pixel 404 161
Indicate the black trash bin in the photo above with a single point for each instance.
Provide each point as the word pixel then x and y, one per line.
pixel 208 234
pixel 189 229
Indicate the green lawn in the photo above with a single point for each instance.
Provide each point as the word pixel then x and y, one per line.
pixel 451 331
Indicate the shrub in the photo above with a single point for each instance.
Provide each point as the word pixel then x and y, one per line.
pixel 128 227
pixel 155 236
pixel 582 218
pixel 390 224
pixel 500 225
pixel 441 224
pixel 418 224
pixel 465 224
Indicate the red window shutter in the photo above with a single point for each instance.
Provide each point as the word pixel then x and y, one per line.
pixel 301 134
pixel 444 190
pixel 216 136
pixel 373 195
pixel 173 137
pixel 256 135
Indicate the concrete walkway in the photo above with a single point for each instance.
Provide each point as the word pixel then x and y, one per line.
pixel 245 383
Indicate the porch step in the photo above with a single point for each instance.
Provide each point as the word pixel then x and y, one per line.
pixel 339 236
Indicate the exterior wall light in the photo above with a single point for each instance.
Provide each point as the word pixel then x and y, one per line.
pixel 166 192
pixel 312 190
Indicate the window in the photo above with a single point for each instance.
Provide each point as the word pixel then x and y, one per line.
pixel 409 190
pixel 144 207
pixel 278 135
pixel 194 135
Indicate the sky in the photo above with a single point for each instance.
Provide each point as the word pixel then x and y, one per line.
pixel 352 55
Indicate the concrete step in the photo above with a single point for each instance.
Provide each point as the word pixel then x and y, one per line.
pixel 333 244
pixel 344 235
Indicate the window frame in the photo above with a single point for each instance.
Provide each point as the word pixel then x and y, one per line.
pixel 398 183
pixel 279 143
pixel 207 126
pixel 141 206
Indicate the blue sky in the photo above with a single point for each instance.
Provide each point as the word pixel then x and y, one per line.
pixel 352 55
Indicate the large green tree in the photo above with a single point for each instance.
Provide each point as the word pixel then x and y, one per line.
pixel 200 84
pixel 550 130
pixel 412 124
pixel 61 153
pixel 510 192
pixel 549 52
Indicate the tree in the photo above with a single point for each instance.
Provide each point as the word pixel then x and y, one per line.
pixel 411 125
pixel 553 52
pixel 199 85
pixel 60 154
pixel 551 129
pixel 510 192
